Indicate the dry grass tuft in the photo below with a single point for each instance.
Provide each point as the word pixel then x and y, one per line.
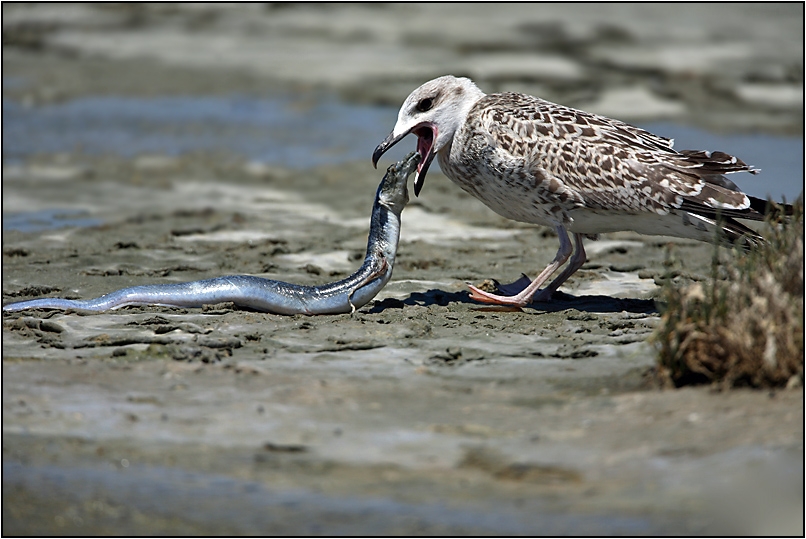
pixel 746 330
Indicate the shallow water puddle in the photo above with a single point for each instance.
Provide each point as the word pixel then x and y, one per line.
pixel 274 130
pixel 278 130
pixel 48 219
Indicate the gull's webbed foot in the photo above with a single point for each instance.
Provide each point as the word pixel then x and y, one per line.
pixel 514 293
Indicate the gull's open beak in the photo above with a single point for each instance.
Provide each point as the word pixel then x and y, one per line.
pixel 426 135
pixel 387 143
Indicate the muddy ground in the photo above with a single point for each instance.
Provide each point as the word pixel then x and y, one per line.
pixel 422 413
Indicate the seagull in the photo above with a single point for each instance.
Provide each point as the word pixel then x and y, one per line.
pixel 538 162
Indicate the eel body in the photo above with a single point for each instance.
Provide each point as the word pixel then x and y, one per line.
pixel 271 296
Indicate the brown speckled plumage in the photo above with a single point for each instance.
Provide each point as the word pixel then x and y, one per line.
pixel 528 156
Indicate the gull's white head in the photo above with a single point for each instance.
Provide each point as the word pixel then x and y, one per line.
pixel 433 112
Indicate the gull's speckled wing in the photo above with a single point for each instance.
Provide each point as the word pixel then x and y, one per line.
pixel 576 159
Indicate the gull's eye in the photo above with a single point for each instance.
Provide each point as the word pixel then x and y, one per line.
pixel 425 104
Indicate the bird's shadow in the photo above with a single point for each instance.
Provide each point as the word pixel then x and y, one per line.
pixel 560 301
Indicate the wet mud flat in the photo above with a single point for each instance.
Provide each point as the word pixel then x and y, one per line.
pixel 445 415
pixel 423 412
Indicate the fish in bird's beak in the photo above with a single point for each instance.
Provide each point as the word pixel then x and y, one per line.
pixel 426 133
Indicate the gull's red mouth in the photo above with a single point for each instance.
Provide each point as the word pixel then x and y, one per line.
pixel 426 134
pixel 425 142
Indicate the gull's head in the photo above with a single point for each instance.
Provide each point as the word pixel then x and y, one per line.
pixel 433 112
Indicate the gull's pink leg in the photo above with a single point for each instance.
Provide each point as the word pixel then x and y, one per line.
pixel 525 296
pixel 574 264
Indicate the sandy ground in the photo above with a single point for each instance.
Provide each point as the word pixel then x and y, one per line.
pixel 424 412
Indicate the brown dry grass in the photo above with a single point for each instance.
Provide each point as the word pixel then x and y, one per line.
pixel 746 330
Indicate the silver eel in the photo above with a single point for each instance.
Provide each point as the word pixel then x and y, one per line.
pixel 271 296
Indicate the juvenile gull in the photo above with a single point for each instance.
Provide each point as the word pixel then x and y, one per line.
pixel 538 162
